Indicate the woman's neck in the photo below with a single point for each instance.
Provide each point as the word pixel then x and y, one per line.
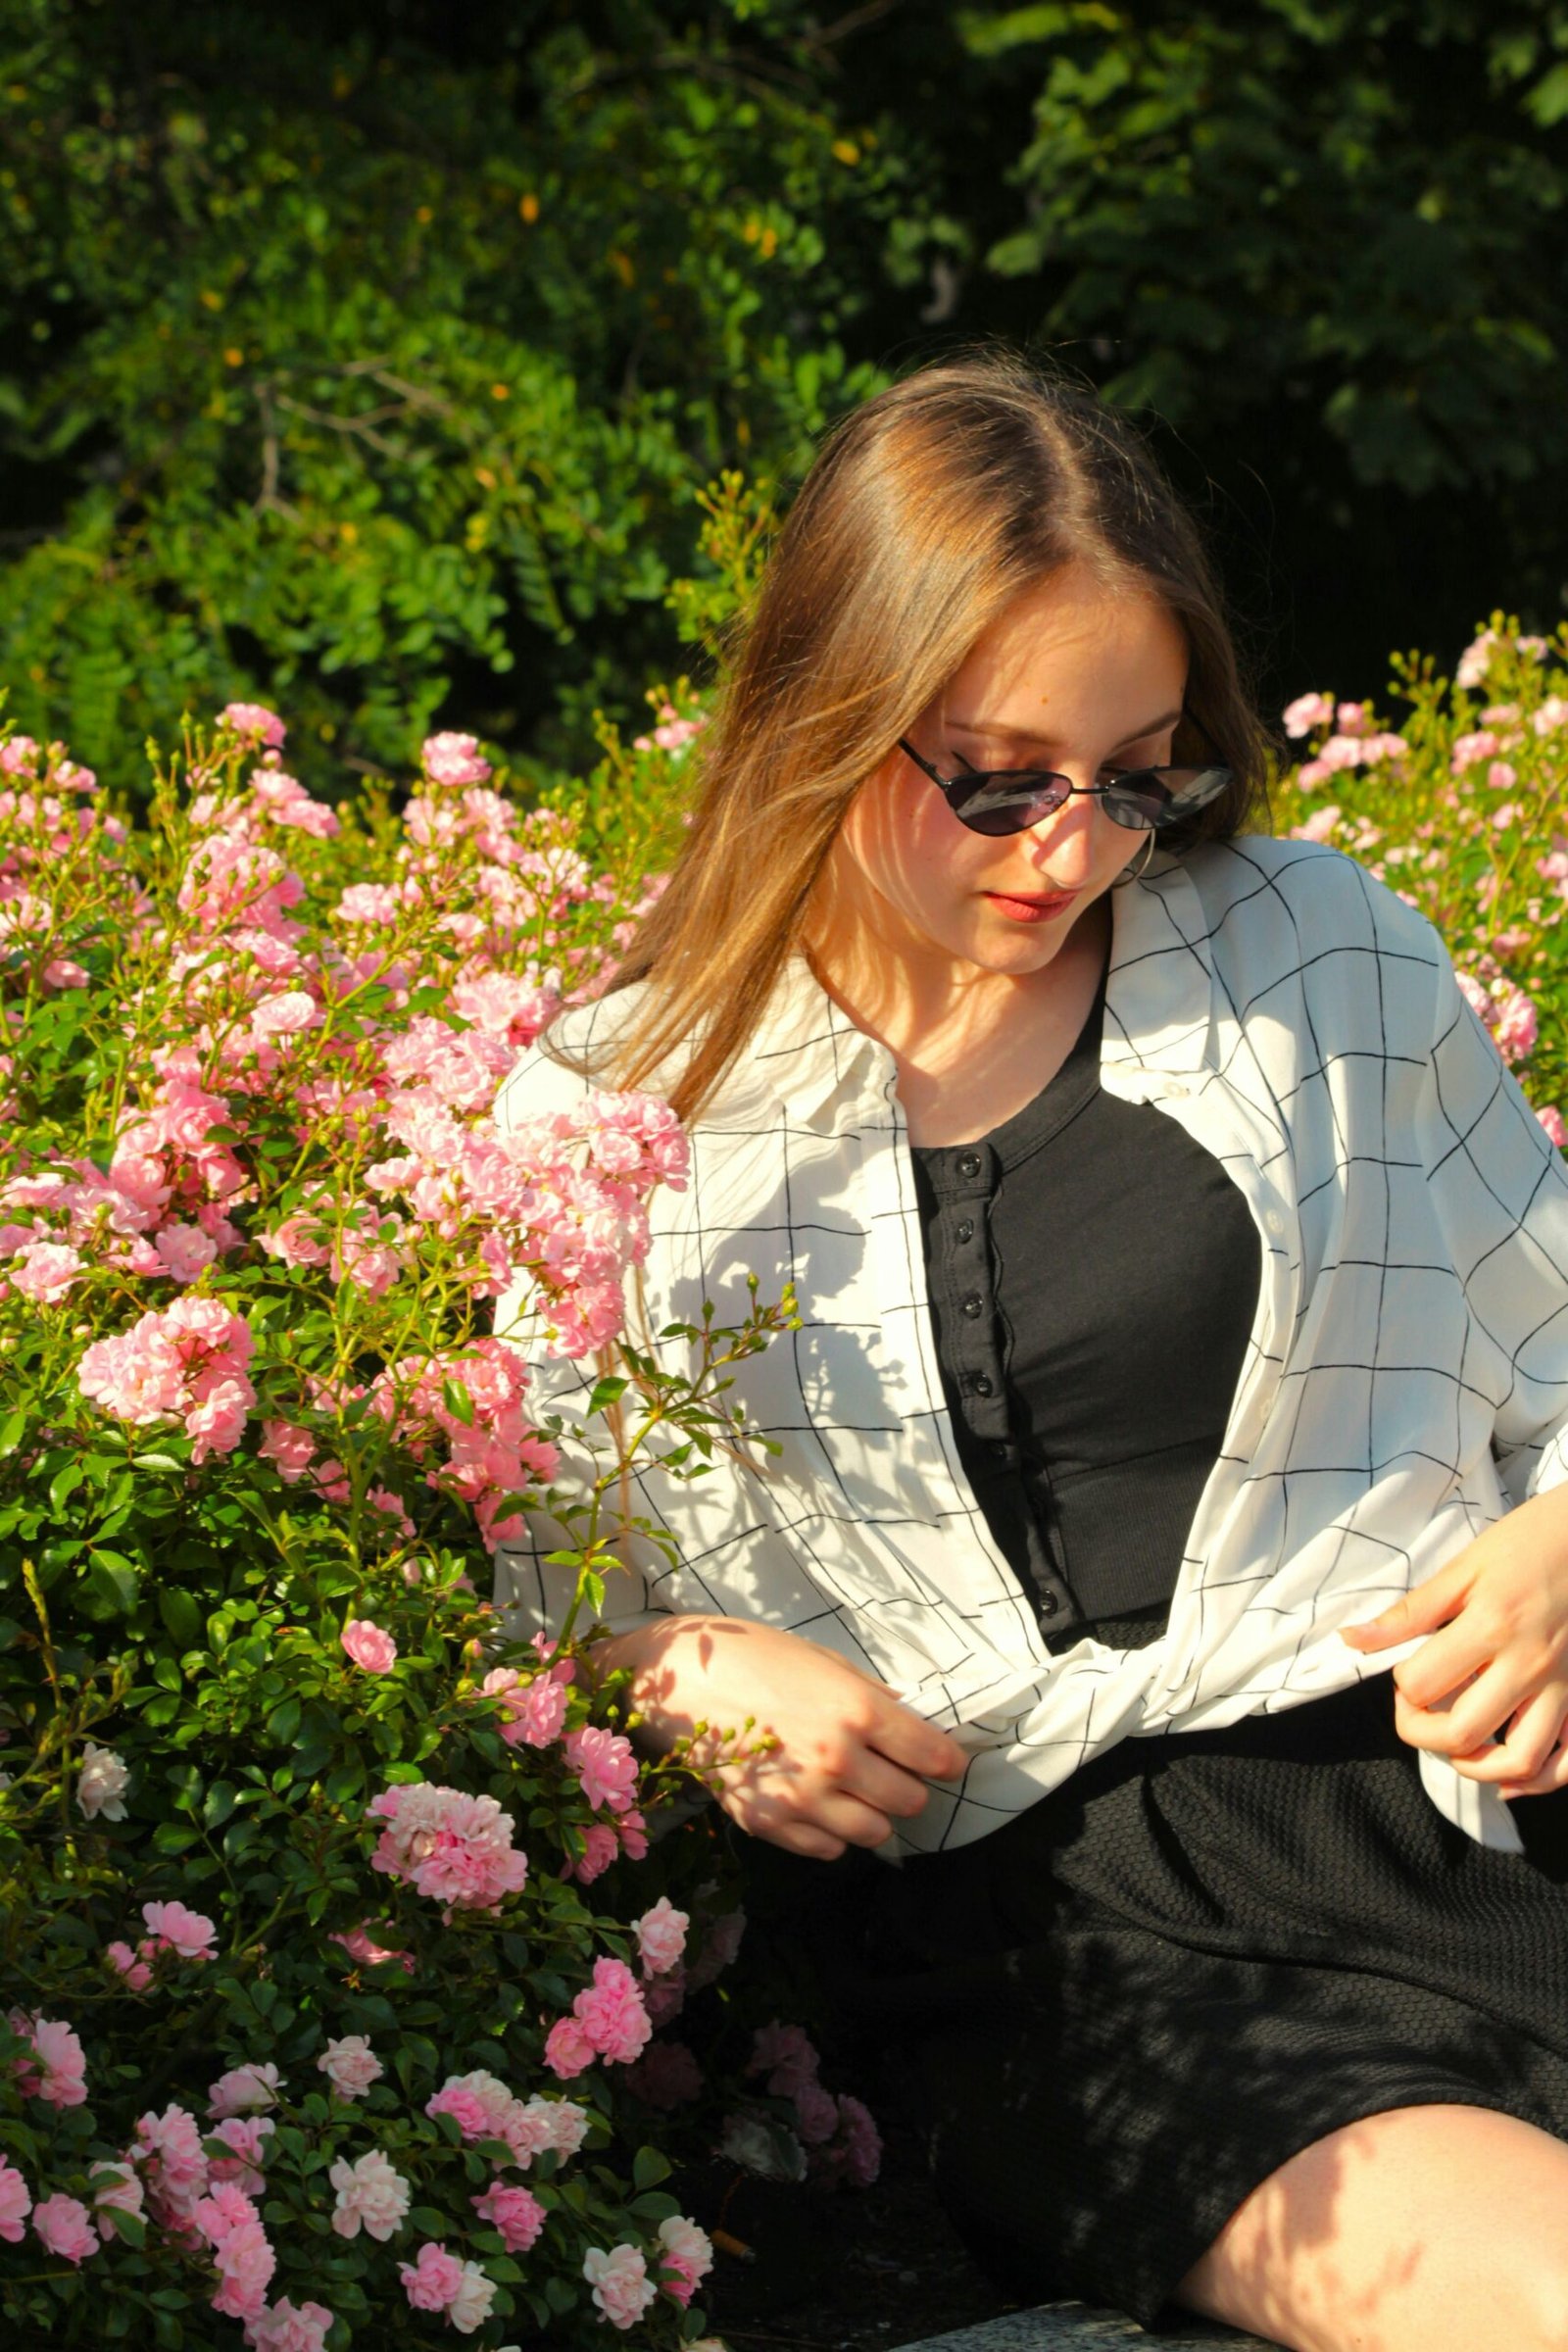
pixel 971 1046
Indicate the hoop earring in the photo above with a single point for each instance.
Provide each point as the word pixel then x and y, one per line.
pixel 1128 873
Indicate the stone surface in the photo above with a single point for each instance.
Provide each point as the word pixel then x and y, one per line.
pixel 1074 2328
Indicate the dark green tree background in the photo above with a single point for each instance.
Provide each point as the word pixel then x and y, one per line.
pixel 365 355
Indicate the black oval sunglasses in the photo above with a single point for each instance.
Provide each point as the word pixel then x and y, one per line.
pixel 1009 799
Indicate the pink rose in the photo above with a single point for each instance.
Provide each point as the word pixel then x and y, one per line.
pixel 44 1271
pixel 622 2289
pixel 515 2212
pixel 449 759
pixel 185 1250
pixel 661 1936
pixel 102 1782
pixel 57 2070
pixel 136 1973
pixel 371 2196
pixel 253 723
pixel 613 2014
pixel 1309 710
pixel 1551 1119
pixel 244 2090
pixel 688 2252
pixel 368 1646
pixel 65 2227
pixel 285 2327
pixel 567 2048
pixel 14 2202
pixel 190 1934
pixel 351 2066
pixel 606 1766
pixel 434 2280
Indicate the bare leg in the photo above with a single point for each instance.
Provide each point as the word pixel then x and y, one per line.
pixel 1421 2229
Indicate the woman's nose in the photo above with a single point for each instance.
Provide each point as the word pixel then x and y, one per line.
pixel 1070 840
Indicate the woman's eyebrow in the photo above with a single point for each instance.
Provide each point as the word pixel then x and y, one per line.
pixel 987 727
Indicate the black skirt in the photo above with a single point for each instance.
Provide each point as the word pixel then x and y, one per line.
pixel 1119 2013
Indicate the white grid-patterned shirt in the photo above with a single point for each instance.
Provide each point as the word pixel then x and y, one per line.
pixel 1405 1381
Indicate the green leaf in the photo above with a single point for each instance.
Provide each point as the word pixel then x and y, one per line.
pixel 13 1429
pixel 63 1485
pixel 283 1723
pixel 127 2225
pixel 181 1615
pixel 606 1391
pixel 649 2167
pixel 110 1587
pixel 218 1804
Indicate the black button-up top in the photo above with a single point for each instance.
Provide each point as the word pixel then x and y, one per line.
pixel 1093 1277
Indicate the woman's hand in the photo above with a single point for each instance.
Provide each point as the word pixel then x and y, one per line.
pixel 850 1758
pixel 1496 1665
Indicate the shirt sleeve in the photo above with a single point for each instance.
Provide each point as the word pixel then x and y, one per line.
pixel 1500 1187
pixel 535 1593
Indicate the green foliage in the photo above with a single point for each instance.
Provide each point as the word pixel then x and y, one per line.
pixel 347 363
pixel 1464 810
pixel 367 359
pixel 249 1479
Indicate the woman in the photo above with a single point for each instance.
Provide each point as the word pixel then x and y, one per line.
pixel 1183 1286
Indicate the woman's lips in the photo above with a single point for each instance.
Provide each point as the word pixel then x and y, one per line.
pixel 1031 911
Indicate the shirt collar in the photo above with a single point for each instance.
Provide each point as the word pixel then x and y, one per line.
pixel 808 1056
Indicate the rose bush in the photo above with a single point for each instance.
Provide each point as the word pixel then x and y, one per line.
pixel 340 1928
pixel 357 1982
pixel 1463 810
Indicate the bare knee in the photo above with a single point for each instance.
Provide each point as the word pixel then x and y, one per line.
pixel 1411 2229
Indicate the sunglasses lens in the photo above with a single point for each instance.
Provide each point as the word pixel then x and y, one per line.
pixel 1010 807
pixel 1158 798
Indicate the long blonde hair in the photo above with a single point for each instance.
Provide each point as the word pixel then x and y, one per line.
pixel 926 513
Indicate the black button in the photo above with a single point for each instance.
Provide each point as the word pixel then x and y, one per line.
pixel 1049 1604
pixel 983 1384
pixel 998 1447
pixel 966 1230
pixel 970 1164
pixel 973 1303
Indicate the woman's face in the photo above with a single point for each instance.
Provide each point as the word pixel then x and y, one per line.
pixel 1073 677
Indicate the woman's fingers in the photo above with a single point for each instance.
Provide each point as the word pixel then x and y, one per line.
pixel 1447 1662
pixel 1525 1745
pixel 875 1782
pixel 906 1739
pixel 1552 1776
pixel 1419 1611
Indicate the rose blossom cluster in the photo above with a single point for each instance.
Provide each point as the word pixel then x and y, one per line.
pixel 608 2021
pixel 206 2206
pixel 840 2138
pixel 54 2067
pixel 558 1200
pixel 186 1364
pixel 483 2108
pixel 532 1708
pixel 159 1210
pixel 49 827
pixel 452 1847
pixel 606 1765
pixel 171 1928
pixel 488 1450
pixel 439 2281
pixel 618 2276
pixel 1507 1011
pixel 1351 742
